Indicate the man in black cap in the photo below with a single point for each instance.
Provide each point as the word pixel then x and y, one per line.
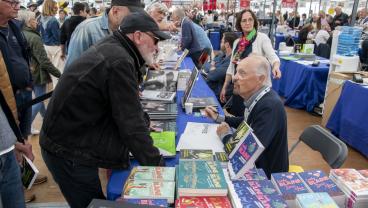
pixel 92 30
pixel 95 118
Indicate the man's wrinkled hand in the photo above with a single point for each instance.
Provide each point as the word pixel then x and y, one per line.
pixel 222 129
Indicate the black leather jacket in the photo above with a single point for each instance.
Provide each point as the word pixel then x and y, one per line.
pixel 94 116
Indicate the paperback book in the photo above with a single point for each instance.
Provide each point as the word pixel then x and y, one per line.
pixel 163 125
pixel 242 131
pixel 201 178
pixel 222 158
pixel 244 155
pixel 163 96
pixel 318 181
pixel 313 200
pixel 152 173
pixel 254 174
pixel 165 142
pixel 161 80
pixel 144 189
pixel 192 154
pixel 256 187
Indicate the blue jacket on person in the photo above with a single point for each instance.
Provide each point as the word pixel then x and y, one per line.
pixel 194 38
pixel 85 35
pixel 50 30
pixel 215 78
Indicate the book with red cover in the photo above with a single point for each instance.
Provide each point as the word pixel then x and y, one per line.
pixel 204 202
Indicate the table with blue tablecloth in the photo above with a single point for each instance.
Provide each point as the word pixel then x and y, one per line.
pixel 279 37
pixel 302 86
pixel 348 120
pixel 201 89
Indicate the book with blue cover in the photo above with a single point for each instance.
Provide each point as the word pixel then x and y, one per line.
pixel 256 187
pixel 254 174
pixel 261 201
pixel 289 185
pixel 201 178
pixel 313 200
pixel 244 155
pixel 318 181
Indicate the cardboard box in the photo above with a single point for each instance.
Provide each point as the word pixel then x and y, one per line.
pixel 333 91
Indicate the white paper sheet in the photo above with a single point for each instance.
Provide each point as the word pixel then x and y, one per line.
pixel 200 136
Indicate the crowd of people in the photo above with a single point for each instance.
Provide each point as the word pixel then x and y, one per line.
pixel 94 117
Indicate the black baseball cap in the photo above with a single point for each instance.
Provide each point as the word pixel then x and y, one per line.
pixel 133 5
pixel 141 22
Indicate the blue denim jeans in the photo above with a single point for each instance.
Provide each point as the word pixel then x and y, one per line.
pixel 78 183
pixel 11 187
pixel 39 107
pixel 22 97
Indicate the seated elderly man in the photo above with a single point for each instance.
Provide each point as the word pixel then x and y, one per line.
pixel 158 11
pixel 264 112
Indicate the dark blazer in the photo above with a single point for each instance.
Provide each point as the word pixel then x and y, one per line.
pixel 269 123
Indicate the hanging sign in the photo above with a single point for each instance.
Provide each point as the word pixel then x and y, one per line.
pixel 288 3
pixel 244 4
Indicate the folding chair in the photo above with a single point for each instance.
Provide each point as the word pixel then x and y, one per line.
pixel 333 151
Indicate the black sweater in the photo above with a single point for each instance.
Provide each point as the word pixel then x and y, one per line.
pixel 269 123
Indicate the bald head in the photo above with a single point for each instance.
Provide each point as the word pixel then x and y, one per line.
pixel 252 74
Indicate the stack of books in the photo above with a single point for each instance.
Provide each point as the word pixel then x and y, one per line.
pixel 160 85
pixel 195 154
pixel 289 185
pixel 160 111
pixel 254 193
pixel 318 181
pixel 150 183
pixel 161 80
pixel 201 178
pixel 312 200
pixel 353 184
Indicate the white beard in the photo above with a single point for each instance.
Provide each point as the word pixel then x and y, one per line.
pixel 148 57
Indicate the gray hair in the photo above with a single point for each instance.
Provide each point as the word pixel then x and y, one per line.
pixel 179 12
pixel 160 6
pixel 25 15
pixel 263 68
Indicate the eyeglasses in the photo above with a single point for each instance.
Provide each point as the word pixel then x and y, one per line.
pixel 13 4
pixel 155 39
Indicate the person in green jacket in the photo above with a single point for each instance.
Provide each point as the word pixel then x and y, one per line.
pixel 41 66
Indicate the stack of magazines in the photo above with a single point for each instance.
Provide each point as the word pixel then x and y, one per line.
pixel 160 111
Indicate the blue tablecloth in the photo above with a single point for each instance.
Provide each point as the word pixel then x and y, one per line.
pixel 302 86
pixel 201 89
pixel 348 120
pixel 281 38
